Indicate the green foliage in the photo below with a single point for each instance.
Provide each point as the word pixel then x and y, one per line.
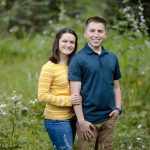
pixel 21 17
pixel 20 123
pixel 21 115
pixel 133 127
pixel 131 18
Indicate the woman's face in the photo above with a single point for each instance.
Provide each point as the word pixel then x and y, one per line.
pixel 67 43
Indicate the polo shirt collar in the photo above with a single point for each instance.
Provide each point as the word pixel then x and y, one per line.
pixel 90 51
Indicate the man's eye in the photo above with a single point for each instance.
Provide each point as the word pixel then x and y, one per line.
pixel 100 31
pixel 91 30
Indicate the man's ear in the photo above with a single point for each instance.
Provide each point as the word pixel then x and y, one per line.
pixel 106 35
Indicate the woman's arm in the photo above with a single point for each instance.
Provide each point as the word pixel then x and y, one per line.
pixel 44 95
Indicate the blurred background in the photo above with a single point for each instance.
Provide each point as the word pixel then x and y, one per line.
pixel 27 30
pixel 35 16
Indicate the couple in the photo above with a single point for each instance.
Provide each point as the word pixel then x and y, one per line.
pixel 89 87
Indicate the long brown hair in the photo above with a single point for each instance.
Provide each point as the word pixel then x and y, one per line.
pixel 55 57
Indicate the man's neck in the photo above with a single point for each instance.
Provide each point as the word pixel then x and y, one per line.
pixel 97 50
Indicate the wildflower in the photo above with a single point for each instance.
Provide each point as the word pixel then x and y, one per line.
pixel 14 97
pixel 128 15
pixel 32 102
pixel 45 32
pixel 14 92
pixel 2 105
pixel 141 23
pixel 143 72
pixel 139 126
pixel 130 147
pixel 50 22
pixel 138 139
pixel 18 104
pixel 140 13
pixel 142 19
pixel 3 113
pixel 3 3
pixel 25 108
pixel 140 8
pixel 11 30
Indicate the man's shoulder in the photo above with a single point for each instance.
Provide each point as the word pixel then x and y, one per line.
pixel 79 54
pixel 81 51
pixel 111 54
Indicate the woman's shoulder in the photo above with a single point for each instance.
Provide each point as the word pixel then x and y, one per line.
pixel 49 65
pixel 54 66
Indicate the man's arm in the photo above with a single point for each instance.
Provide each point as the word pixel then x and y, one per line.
pixel 84 125
pixel 117 97
pixel 117 93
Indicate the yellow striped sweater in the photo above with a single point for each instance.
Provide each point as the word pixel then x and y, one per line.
pixel 54 90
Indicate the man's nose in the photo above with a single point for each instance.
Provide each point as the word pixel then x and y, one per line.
pixel 96 33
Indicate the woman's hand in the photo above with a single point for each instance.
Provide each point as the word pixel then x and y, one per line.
pixel 76 99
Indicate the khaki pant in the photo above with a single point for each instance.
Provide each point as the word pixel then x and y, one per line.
pixel 103 136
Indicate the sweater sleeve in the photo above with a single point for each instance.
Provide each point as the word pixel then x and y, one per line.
pixel 44 95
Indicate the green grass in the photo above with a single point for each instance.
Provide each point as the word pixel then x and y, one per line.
pixel 20 64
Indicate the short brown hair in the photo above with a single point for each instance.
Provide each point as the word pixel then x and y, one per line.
pixel 96 19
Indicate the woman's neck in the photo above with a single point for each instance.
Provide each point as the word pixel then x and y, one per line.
pixel 63 59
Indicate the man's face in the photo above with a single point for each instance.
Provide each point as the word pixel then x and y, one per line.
pixel 95 33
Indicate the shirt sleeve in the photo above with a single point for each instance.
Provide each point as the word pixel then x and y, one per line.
pixel 117 73
pixel 44 95
pixel 74 72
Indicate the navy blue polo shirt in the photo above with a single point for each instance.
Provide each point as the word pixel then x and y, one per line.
pixel 96 73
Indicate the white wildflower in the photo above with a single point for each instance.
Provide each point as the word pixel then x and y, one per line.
pixel 35 100
pixel 3 113
pixel 2 105
pixel 25 108
pixel 45 32
pixel 141 8
pixel 32 102
pixel 50 22
pixel 130 147
pixel 139 126
pixel 11 30
pixel 138 139
pixel 14 97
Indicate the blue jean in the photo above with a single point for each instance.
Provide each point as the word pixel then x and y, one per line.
pixel 61 132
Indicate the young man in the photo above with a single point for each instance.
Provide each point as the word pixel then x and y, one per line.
pixel 94 74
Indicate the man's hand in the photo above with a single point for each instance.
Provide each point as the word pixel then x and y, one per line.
pixel 85 128
pixel 115 112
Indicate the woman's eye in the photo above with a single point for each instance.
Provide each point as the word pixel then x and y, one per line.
pixel 72 42
pixel 64 41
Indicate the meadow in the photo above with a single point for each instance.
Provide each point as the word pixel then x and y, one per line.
pixel 21 124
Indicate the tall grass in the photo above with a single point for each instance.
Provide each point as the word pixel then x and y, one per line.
pixel 20 64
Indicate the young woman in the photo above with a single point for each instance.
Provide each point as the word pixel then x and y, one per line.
pixel 54 90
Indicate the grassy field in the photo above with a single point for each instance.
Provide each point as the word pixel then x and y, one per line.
pixel 21 124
